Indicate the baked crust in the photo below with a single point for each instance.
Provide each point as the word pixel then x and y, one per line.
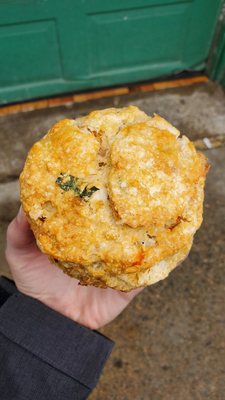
pixel 114 198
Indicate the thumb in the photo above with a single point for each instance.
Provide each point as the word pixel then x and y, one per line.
pixel 19 234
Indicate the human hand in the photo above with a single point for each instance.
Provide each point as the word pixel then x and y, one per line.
pixel 35 276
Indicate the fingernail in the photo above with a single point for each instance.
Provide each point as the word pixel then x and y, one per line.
pixel 20 214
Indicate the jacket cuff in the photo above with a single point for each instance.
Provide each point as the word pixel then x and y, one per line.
pixel 7 288
pixel 62 343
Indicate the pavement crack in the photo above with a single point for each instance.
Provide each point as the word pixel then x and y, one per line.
pixel 8 178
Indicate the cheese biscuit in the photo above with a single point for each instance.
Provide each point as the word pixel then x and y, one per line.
pixel 114 198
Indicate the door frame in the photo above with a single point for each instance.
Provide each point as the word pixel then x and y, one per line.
pixel 216 62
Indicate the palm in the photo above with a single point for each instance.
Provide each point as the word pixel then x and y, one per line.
pixel 37 277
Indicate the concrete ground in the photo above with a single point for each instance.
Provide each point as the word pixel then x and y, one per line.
pixel 170 341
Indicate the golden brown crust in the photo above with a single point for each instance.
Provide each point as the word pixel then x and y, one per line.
pixel 140 222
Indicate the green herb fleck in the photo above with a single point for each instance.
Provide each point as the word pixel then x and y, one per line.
pixel 87 193
pixel 69 182
pixel 66 182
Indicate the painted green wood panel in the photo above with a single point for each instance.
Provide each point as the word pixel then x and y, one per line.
pixel 49 47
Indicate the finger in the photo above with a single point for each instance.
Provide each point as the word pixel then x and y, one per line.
pixel 19 233
pixel 128 296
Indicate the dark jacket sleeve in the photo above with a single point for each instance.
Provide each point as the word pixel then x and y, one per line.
pixel 44 355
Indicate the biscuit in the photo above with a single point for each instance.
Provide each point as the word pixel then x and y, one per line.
pixel 114 198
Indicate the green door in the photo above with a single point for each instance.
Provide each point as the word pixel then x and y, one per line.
pixel 49 47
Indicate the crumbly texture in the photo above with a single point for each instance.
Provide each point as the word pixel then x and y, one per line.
pixel 114 198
